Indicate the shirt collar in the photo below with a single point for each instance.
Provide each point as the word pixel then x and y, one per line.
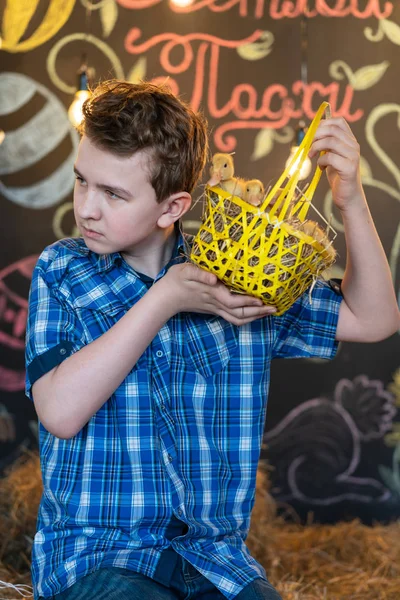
pixel 105 262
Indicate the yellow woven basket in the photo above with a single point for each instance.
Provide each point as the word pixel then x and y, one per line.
pixel 257 251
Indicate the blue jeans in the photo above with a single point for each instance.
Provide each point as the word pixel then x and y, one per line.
pixel 186 584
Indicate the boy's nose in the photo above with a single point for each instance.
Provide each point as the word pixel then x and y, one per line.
pixel 88 206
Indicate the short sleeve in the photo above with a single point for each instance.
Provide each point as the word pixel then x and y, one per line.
pixel 53 331
pixel 308 328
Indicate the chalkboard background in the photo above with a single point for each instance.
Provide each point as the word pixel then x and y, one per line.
pixel 331 434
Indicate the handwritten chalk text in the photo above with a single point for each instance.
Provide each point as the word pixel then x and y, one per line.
pixel 246 108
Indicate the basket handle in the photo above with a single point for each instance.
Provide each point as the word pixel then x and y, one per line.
pixel 284 200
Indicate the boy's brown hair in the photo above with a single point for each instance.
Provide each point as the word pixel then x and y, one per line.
pixel 124 117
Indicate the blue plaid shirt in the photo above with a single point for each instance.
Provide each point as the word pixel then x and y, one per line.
pixel 178 441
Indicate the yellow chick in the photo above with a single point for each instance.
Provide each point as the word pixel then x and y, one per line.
pixel 253 192
pixel 222 171
pixel 312 229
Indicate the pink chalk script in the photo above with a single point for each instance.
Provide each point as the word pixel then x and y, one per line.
pixel 281 9
pixel 246 107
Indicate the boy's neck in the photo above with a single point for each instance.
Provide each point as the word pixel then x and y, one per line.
pixel 152 259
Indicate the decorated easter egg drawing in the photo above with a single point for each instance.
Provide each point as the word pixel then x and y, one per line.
pixel 32 141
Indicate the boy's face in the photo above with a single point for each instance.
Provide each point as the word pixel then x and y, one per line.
pixel 114 203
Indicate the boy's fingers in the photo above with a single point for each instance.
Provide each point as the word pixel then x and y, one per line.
pixel 246 314
pixel 332 144
pixel 208 278
pixel 195 273
pixel 233 301
pixel 250 312
pixel 236 305
pixel 334 131
pixel 339 122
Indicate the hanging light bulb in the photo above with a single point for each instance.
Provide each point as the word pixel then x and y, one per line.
pixel 82 93
pixel 306 167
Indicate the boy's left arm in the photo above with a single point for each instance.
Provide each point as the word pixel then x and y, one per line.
pixel 369 310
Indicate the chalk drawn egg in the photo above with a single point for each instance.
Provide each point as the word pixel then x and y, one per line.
pixel 16 19
pixel 14 289
pixel 34 140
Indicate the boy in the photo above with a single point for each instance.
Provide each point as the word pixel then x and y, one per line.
pixel 150 378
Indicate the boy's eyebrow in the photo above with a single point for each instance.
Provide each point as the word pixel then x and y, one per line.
pixel 103 186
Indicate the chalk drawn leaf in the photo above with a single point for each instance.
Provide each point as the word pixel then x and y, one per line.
pixel 394 387
pixel 362 79
pixel 263 144
pixel 392 30
pixel 265 139
pixel 368 76
pixel 17 15
pixel 138 71
pixel 365 169
pixel 57 14
pixel 259 49
pixel 108 16
pixel 389 479
pixel 392 439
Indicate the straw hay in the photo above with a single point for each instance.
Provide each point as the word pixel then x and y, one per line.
pixel 346 561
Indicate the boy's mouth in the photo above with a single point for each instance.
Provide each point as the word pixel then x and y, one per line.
pixel 91 232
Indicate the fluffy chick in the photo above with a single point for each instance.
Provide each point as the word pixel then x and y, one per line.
pixel 222 174
pixel 253 192
pixel 312 229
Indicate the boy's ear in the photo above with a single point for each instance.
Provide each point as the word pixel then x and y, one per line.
pixel 176 206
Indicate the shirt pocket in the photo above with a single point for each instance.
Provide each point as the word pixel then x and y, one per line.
pixel 210 343
pixel 98 312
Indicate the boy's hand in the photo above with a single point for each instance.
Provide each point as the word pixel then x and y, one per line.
pixel 341 160
pixel 190 289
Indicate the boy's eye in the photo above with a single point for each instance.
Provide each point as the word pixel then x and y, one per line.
pixel 80 179
pixel 112 195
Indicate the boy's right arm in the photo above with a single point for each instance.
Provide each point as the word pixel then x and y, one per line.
pixel 71 393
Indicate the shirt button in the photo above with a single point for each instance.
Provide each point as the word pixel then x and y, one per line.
pixel 63 351
pixel 170 458
pixel 179 511
pixel 159 353
pixel 162 406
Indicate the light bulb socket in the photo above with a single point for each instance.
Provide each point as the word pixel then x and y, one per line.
pixel 82 78
pixel 301 131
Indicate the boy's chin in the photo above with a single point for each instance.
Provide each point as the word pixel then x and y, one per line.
pixel 98 246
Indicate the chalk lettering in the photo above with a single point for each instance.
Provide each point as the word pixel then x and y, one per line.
pixel 281 9
pixel 245 107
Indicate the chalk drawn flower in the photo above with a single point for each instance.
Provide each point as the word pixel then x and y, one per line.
pixel 369 404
